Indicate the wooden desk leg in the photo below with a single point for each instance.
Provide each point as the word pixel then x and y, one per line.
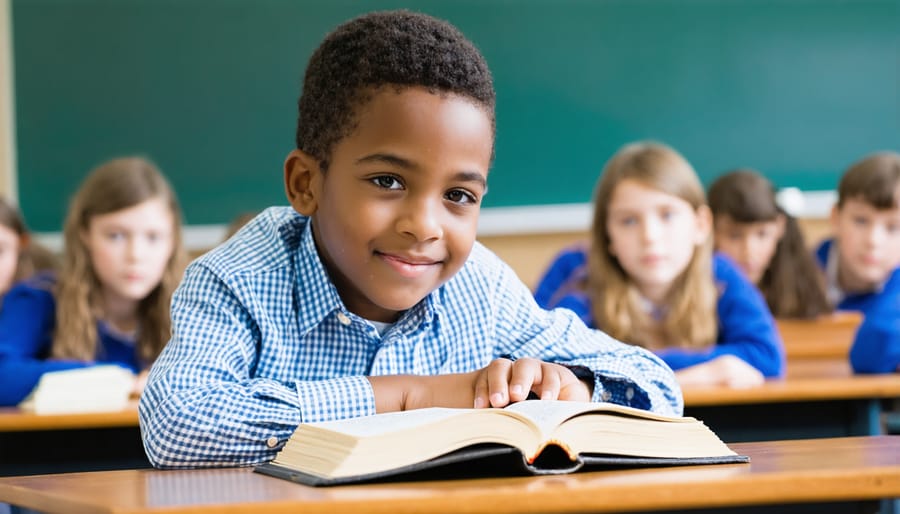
pixel 868 417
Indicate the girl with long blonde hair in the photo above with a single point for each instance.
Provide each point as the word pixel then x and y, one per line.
pixel 109 303
pixel 649 277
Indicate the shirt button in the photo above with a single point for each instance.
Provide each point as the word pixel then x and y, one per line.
pixel 605 396
pixel 272 442
pixel 629 393
pixel 343 319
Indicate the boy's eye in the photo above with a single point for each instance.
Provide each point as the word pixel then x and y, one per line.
pixel 628 221
pixel 461 196
pixel 387 182
pixel 115 236
pixel 667 214
pixel 860 220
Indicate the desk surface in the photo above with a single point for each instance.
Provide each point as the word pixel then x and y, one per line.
pixel 13 419
pixel 816 470
pixel 801 387
pixel 828 336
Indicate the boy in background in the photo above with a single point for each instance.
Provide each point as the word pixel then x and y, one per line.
pixel 369 294
pixel 861 262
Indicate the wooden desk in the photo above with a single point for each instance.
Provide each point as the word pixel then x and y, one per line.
pixel 821 398
pixel 13 419
pixel 828 337
pixel 813 471
pixel 53 443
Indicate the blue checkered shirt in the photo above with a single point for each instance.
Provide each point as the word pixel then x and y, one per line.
pixel 261 342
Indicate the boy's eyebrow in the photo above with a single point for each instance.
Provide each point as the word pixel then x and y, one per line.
pixel 466 176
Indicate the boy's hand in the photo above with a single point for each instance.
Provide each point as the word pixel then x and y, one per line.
pixel 504 381
pixel 497 385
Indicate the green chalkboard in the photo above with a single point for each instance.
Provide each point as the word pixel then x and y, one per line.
pixel 208 89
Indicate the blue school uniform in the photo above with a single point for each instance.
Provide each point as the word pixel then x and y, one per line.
pixel 27 320
pixel 746 328
pixel 262 342
pixel 876 346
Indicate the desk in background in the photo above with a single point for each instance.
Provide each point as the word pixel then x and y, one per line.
pixel 821 472
pixel 819 398
pixel 53 443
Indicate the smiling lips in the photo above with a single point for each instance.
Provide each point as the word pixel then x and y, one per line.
pixel 409 266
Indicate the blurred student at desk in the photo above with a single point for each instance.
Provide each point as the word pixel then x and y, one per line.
pixel 861 261
pixel 110 302
pixel 767 244
pixel 649 276
pixel 20 256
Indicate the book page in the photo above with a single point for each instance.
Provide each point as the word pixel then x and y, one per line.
pixel 379 424
pixel 548 414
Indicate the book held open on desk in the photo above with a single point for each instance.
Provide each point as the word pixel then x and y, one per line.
pixel 530 437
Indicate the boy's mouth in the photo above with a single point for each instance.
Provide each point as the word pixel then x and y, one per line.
pixel 409 266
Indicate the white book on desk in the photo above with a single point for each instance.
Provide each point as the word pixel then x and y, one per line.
pixel 92 389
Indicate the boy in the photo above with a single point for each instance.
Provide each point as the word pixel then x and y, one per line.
pixel 370 294
pixel 861 262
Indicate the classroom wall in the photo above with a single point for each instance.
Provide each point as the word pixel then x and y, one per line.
pixel 207 88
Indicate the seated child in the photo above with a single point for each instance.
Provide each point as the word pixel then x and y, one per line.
pixel 110 302
pixel 369 293
pixel 649 276
pixel 767 244
pixel 20 257
pixel 862 261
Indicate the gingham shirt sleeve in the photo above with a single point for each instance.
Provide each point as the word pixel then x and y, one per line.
pixel 204 407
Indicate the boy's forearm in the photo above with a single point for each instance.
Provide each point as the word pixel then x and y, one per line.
pixel 407 392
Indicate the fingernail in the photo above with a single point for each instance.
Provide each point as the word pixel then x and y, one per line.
pixel 516 390
pixel 479 402
pixel 497 399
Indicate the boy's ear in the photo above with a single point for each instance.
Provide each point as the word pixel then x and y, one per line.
pixel 704 224
pixel 302 182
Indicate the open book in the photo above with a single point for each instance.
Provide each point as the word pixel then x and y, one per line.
pixel 97 388
pixel 535 436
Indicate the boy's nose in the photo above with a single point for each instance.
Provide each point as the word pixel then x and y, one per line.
pixel 421 220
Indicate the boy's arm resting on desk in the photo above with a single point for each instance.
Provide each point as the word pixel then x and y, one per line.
pixel 201 405
pixel 26 326
pixel 747 329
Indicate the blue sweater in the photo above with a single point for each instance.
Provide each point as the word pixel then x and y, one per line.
pixel 876 347
pixel 746 327
pixel 27 320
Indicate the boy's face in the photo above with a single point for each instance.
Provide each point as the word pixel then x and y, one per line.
pixel 868 244
pixel 395 214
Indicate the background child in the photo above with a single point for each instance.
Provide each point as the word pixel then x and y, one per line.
pixel 767 244
pixel 861 262
pixel 649 277
pixel 123 258
pixel 20 257
pixel 370 294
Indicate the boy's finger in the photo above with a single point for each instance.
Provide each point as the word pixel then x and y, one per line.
pixel 498 375
pixel 525 374
pixel 550 386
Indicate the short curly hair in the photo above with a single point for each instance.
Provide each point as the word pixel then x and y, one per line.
pixel 389 48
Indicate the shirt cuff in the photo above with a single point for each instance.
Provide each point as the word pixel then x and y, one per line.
pixel 337 398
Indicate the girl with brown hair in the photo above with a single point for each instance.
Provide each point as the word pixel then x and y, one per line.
pixel 109 303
